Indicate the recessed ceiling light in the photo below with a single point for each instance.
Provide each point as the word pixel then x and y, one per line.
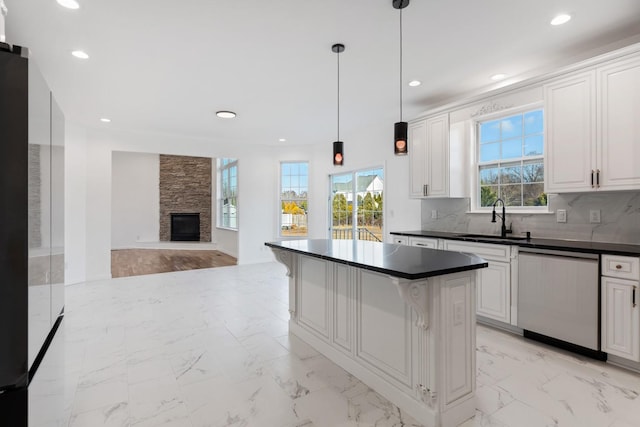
pixel 105 120
pixel 69 4
pixel 226 114
pixel 414 83
pixel 282 140
pixel 80 54
pixel 561 19
pixel 498 76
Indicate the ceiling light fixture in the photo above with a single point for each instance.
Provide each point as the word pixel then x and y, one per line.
pixel 105 120
pixel 69 4
pixel 226 114
pixel 282 140
pixel 414 83
pixel 498 76
pixel 338 146
pixel 561 19
pixel 400 128
pixel 80 54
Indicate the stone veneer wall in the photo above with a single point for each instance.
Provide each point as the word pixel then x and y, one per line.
pixel 185 187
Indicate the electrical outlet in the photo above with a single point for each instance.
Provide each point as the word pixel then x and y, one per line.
pixel 594 216
pixel 561 215
pixel 434 214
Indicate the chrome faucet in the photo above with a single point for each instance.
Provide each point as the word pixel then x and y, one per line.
pixel 503 230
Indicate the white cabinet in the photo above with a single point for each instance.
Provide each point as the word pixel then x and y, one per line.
pixel 423 242
pixel 620 310
pixel 432 160
pixel 619 133
pixel 592 132
pixel 493 288
pixel 570 133
pixel 399 240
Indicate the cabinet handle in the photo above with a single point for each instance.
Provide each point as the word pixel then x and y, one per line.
pixel 591 178
pixel 633 297
pixel 618 267
pixel 420 244
pixel 597 178
pixel 426 189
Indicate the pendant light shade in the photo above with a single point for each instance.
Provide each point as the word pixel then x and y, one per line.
pixel 338 155
pixel 338 146
pixel 400 146
pixel 400 138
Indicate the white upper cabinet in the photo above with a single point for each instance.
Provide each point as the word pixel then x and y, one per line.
pixel 592 129
pixel 570 143
pixel 433 159
pixel 619 120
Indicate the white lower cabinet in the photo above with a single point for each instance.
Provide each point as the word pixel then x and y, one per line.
pixel 423 242
pixel 620 309
pixel 493 288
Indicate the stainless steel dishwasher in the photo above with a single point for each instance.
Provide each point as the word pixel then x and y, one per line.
pixel 559 299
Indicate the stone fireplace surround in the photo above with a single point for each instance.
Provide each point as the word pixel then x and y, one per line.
pixel 185 187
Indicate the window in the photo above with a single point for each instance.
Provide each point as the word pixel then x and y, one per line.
pixel 228 193
pixel 362 220
pixel 294 186
pixel 511 160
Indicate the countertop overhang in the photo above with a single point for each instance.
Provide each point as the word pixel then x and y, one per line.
pixel 402 261
pixel 537 243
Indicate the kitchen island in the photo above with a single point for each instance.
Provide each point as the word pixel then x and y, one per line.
pixel 399 318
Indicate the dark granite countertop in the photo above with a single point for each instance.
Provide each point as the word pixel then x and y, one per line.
pixel 557 244
pixel 395 260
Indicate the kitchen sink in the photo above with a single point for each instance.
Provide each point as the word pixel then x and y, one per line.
pixel 492 236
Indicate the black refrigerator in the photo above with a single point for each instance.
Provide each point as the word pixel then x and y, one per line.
pixel 31 227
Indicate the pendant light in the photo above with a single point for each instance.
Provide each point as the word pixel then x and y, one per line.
pixel 338 146
pixel 400 147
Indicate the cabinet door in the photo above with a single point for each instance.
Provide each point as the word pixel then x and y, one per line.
pixel 619 135
pixel 570 133
pixel 437 159
pixel 494 292
pixel 417 155
pixel 620 318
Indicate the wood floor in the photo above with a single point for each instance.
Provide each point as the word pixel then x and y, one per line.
pixel 136 262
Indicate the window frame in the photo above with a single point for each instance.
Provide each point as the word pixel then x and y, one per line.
pixel 220 170
pixel 280 199
pixel 476 163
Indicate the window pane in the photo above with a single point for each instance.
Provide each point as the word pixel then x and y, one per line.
pixel 512 148
pixel 533 145
pixel 295 182
pixel 533 195
pixel 511 127
pixel 489 131
pixel 488 195
pixel 533 122
pixel 489 152
pixel 488 175
pixel 304 182
pixel 533 172
pixel 286 183
pixel 511 194
pixel 286 169
pixel 510 174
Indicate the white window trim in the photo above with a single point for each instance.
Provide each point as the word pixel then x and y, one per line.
pixel 279 200
pixel 219 168
pixel 474 205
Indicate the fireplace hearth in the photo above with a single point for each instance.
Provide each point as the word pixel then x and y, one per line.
pixel 185 227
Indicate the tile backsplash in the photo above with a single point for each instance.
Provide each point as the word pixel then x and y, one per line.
pixel 619 218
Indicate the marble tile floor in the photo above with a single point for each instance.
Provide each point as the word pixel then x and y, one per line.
pixel 210 348
pixel 136 262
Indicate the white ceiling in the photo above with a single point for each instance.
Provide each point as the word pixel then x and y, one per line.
pixel 167 66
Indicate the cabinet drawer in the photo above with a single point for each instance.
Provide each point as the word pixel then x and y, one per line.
pixel 621 266
pixel 484 250
pixel 423 242
pixel 399 240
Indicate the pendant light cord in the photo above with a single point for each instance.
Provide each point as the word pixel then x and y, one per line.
pixel 400 64
pixel 338 53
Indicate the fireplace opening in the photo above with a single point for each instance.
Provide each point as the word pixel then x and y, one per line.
pixel 185 227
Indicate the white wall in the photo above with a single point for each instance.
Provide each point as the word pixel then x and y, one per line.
pixel 75 204
pixel 135 202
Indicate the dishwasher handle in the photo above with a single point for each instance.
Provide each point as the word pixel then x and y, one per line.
pixel 633 297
